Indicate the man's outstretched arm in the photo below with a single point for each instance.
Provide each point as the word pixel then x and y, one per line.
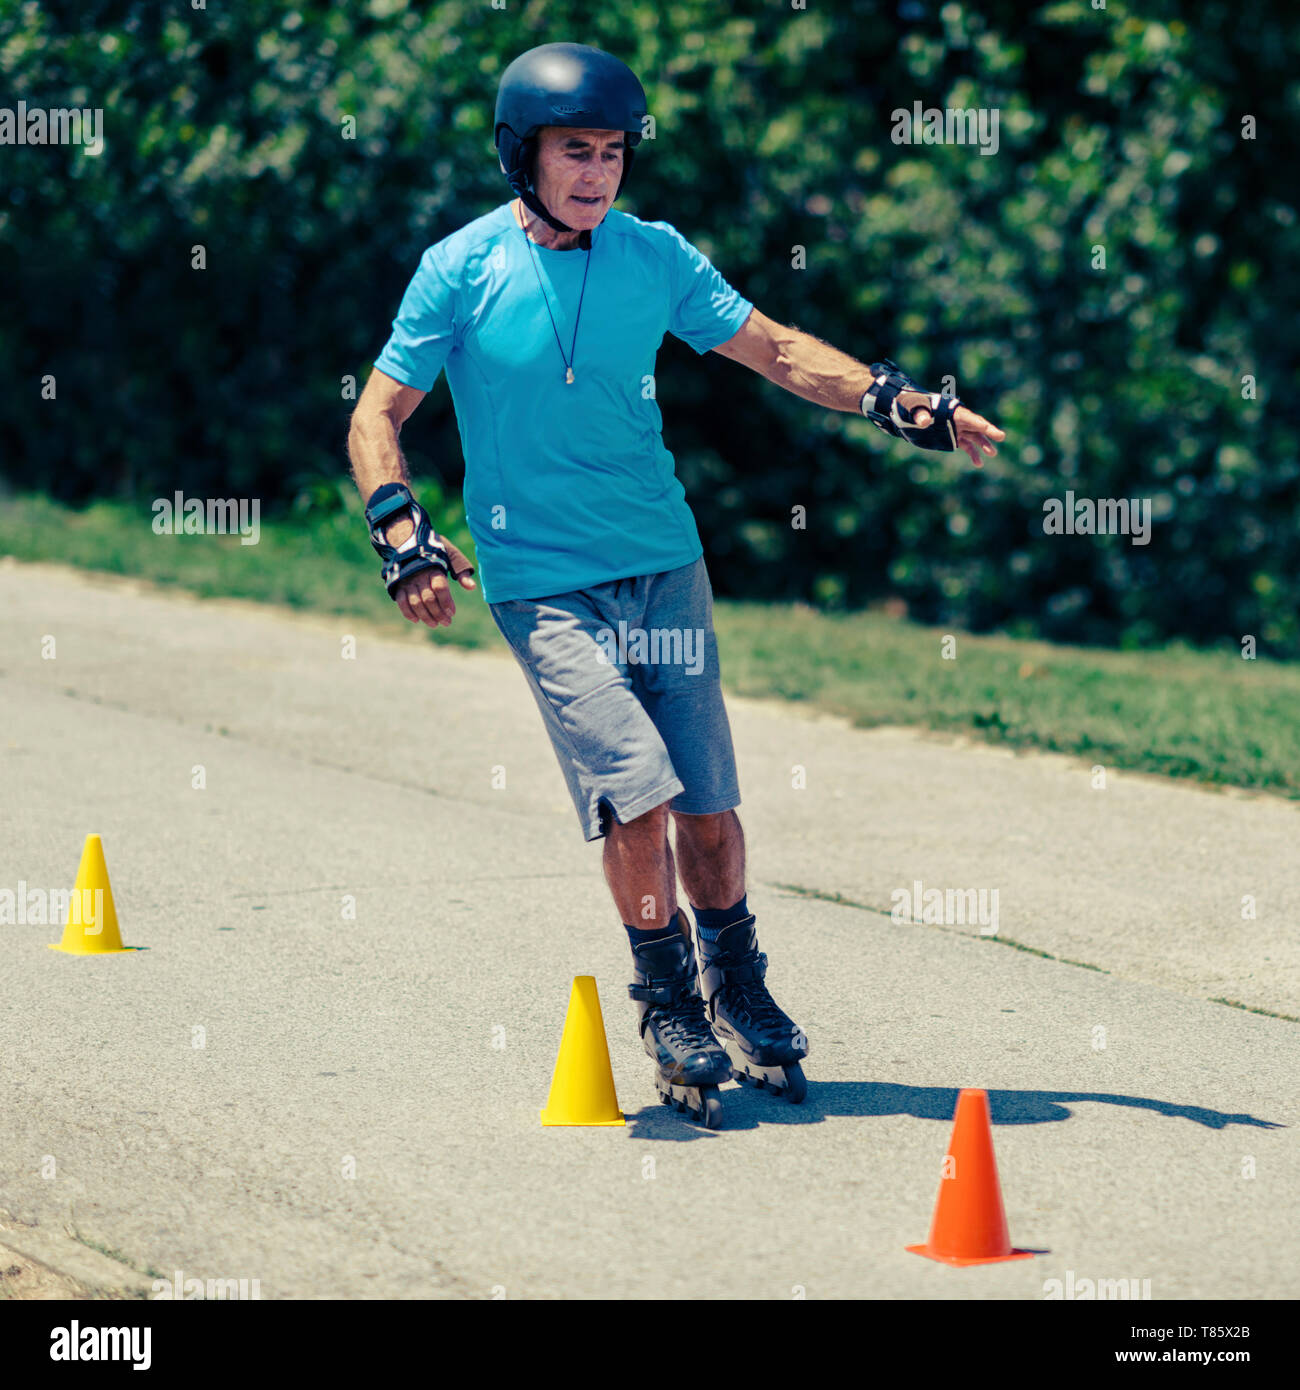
pixel 812 369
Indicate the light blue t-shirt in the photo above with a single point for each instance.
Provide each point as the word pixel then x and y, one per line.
pixel 566 486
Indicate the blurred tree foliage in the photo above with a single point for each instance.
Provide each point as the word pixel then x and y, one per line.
pixel 1118 129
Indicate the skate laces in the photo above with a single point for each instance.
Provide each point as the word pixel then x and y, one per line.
pixel 749 998
pixel 684 1019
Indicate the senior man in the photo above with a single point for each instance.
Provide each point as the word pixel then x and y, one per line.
pixel 547 314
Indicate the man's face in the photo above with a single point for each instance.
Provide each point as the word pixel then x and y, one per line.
pixel 578 172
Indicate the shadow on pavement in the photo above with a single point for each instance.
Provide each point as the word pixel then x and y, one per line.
pixel 1005 1107
pixel 744 1109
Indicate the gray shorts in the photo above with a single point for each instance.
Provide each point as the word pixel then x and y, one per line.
pixel 626 677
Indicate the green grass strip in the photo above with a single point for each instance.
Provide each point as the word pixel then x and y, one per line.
pixel 1208 716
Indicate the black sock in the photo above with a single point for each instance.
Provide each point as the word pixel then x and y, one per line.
pixel 710 921
pixel 638 937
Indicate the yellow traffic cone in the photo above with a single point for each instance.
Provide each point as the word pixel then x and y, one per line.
pixel 582 1087
pixel 91 928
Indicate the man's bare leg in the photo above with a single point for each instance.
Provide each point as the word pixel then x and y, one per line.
pixel 690 1064
pixel 763 1041
pixel 640 870
pixel 711 858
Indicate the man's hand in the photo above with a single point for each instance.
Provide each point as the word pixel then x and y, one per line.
pixel 385 405
pixel 974 432
pixel 426 597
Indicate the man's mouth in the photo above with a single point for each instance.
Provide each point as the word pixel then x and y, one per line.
pixel 587 202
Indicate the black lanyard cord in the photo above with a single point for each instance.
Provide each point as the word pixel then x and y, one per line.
pixel 568 361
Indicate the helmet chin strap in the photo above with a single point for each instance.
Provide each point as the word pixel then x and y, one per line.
pixel 521 184
pixel 523 187
pixel 532 201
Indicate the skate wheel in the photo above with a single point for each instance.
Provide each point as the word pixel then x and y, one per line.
pixel 796 1084
pixel 712 1112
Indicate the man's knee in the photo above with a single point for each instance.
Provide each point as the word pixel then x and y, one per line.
pixel 710 827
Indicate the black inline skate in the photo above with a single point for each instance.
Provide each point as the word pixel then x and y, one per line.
pixel 689 1062
pixel 765 1047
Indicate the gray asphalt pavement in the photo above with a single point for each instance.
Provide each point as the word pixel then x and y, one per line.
pixel 361 1117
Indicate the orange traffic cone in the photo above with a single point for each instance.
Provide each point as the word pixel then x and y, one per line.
pixel 970 1226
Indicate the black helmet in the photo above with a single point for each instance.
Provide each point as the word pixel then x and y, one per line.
pixel 567 84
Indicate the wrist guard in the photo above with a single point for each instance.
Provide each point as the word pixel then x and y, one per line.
pixel 880 405
pixel 421 551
